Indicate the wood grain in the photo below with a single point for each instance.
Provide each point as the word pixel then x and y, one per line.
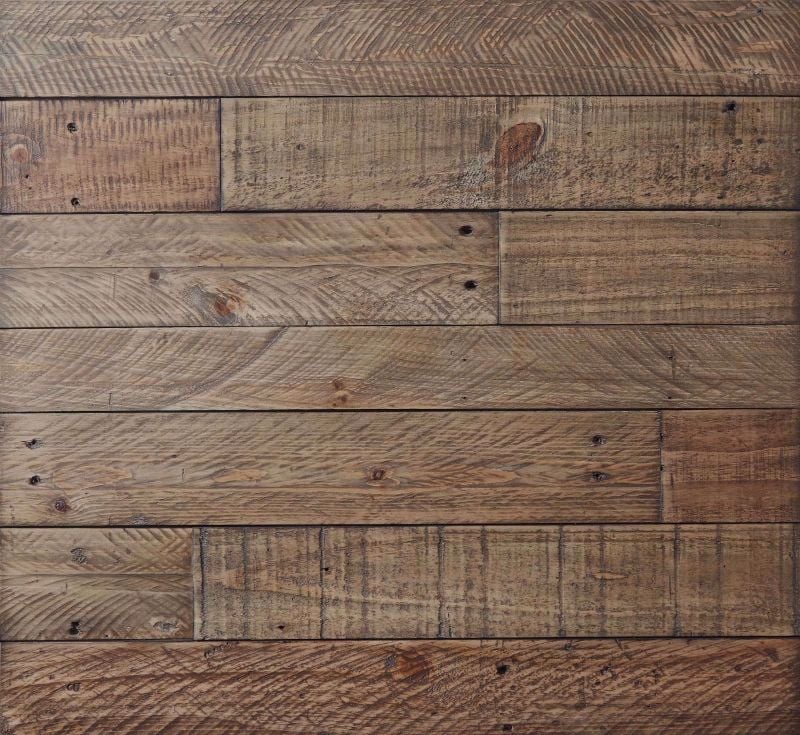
pixel 64 584
pixel 313 47
pixel 402 367
pixel 517 153
pixel 311 468
pixel 649 267
pixel 101 155
pixel 502 581
pixel 731 466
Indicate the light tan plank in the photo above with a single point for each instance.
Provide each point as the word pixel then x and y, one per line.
pixel 402 367
pixel 525 581
pixel 731 466
pixel 257 583
pixel 311 468
pixel 172 48
pixel 649 267
pixel 100 155
pixel 736 580
pixel 65 584
pixel 517 153
pixel 247 239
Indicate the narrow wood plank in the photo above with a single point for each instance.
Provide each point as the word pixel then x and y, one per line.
pixel 334 277
pixel 402 367
pixel 736 580
pixel 649 267
pixel 258 583
pixel 487 582
pixel 312 468
pixel 99 155
pixel 583 687
pixel 175 48
pixel 66 584
pixel 731 466
pixel 511 153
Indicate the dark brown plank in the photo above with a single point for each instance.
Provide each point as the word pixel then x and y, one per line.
pixel 649 267
pixel 402 367
pixel 109 155
pixel 174 48
pixel 731 466
pixel 585 687
pixel 297 468
pixel 113 583
pixel 511 153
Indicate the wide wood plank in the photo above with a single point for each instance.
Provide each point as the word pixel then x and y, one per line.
pixel 499 581
pixel 176 48
pixel 402 367
pixel 525 152
pixel 164 270
pixel 731 466
pixel 649 267
pixel 311 468
pixel 93 583
pixel 101 155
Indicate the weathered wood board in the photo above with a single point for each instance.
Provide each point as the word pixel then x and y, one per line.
pixel 296 468
pixel 402 367
pixel 649 267
pixel 365 47
pixel 511 153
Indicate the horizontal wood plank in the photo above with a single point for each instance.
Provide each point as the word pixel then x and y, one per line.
pixel 91 583
pixel 501 581
pixel 109 155
pixel 731 466
pixel 401 367
pixel 649 267
pixel 312 468
pixel 176 48
pixel 511 153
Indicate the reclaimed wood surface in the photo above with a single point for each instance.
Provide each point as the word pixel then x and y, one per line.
pixel 402 367
pixel 295 468
pixel 511 153
pixel 558 687
pixel 649 267
pixel 364 47
pixel 109 155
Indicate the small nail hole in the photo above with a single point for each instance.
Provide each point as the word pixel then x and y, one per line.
pixel 502 669
pixel 74 201
pixel 470 285
pixel 72 127
pixel 598 440
pixel 32 443
pixel 465 230
pixel 731 107
pixel 599 476
pixel 35 480
pixel 75 627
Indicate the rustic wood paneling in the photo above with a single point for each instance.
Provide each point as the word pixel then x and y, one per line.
pixel 109 155
pixel 152 47
pixel 582 687
pixel 401 367
pixel 309 467
pixel 528 152
pixel 473 582
pixel 437 268
pixel 731 465
pixel 649 267
pixel 92 583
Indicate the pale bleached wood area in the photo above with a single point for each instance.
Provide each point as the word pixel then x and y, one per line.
pixel 400 369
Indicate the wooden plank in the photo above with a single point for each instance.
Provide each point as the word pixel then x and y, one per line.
pixel 511 153
pixel 649 267
pixel 93 583
pixel 257 583
pixel 99 155
pixel 487 582
pixel 247 239
pixel 402 367
pixel 736 580
pixel 311 468
pixel 582 687
pixel 731 466
pixel 174 48
pixel 319 269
